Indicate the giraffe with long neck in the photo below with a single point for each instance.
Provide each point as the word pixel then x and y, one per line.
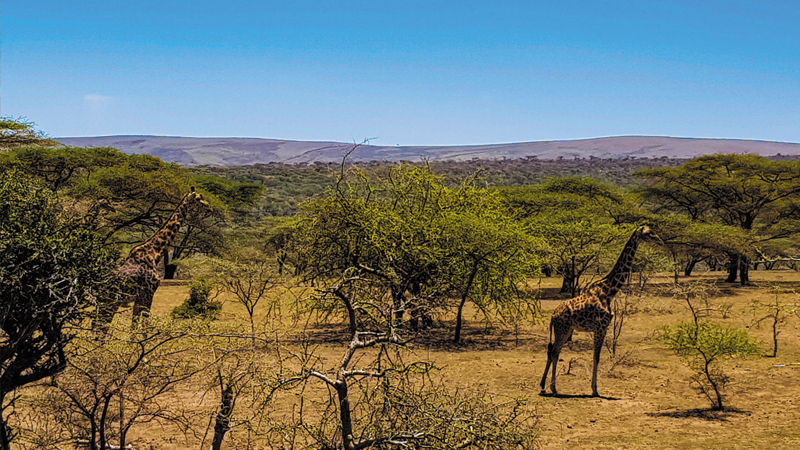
pixel 591 311
pixel 139 271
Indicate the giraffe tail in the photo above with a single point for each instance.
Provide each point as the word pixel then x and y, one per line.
pixel 550 344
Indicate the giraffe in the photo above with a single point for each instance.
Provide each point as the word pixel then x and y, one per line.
pixel 139 272
pixel 591 310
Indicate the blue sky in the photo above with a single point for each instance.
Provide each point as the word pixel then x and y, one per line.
pixel 404 72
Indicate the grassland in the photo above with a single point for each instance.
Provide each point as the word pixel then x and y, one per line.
pixel 647 400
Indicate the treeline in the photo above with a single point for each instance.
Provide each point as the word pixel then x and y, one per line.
pixel 289 185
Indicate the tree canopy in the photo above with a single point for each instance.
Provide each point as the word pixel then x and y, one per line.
pixel 18 133
pixel 126 198
pixel 50 271
pixel 407 236
pixel 759 196
pixel 578 220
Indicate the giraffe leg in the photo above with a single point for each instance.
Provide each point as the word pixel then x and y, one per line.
pixel 553 353
pixel 546 367
pixel 599 339
pixel 141 308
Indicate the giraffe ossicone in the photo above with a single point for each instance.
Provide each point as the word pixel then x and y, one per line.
pixel 591 310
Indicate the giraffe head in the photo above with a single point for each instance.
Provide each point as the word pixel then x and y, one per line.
pixel 646 234
pixel 195 201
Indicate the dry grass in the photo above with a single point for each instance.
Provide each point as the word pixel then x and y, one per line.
pixel 647 400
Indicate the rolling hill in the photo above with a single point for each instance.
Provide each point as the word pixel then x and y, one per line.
pixel 246 151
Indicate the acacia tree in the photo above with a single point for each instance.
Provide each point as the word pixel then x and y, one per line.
pixel 378 402
pixel 400 243
pixel 50 270
pixel 113 385
pixel 759 196
pixel 250 278
pixel 488 257
pixel 578 220
pixel 126 198
pixel 19 132
pixel 703 344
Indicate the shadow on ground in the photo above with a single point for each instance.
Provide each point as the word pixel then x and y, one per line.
pixel 701 413
pixel 568 396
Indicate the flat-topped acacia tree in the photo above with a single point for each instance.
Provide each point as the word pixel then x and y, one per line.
pixel 757 195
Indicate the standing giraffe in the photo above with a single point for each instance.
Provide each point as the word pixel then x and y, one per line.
pixel 139 272
pixel 591 311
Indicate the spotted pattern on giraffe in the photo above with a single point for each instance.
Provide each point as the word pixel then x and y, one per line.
pixel 139 272
pixel 591 310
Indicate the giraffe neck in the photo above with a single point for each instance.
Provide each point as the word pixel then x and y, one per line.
pixel 152 250
pixel 622 268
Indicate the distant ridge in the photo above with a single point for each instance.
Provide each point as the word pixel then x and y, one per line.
pixel 247 151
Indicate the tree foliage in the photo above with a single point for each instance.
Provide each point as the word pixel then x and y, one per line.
pixel 407 238
pixel 126 198
pixel 578 219
pixel 19 132
pixel 759 196
pixel 50 272
pixel 200 303
pixel 703 345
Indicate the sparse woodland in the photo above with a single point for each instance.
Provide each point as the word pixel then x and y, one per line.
pixel 396 306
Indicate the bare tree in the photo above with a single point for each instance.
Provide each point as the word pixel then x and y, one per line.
pixel 251 279
pixel 380 402
pixel 123 380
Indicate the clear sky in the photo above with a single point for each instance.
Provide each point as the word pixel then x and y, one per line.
pixel 406 72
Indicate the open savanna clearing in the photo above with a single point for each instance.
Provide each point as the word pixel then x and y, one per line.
pixel 647 400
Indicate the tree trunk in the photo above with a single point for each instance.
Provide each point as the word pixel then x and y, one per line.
pixel 775 334
pixel 169 271
pixel 398 304
pixel 351 313
pixel 4 438
pixel 464 296
pixel 457 337
pixel 733 268
pixel 687 270
pixel 744 270
pixel 223 422
pixel 344 414
pixel 570 283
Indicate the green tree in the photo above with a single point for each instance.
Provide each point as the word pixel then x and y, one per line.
pixel 200 303
pixel 577 218
pixel 403 236
pixel 759 196
pixel 246 274
pixel 703 345
pixel 127 198
pixel 18 133
pixel 50 270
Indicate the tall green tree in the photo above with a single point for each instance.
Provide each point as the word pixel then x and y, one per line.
pixel 759 196
pixel 50 270
pixel 578 220
pixel 404 242
pixel 126 198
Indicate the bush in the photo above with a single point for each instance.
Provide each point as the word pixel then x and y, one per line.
pixel 702 345
pixel 199 304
